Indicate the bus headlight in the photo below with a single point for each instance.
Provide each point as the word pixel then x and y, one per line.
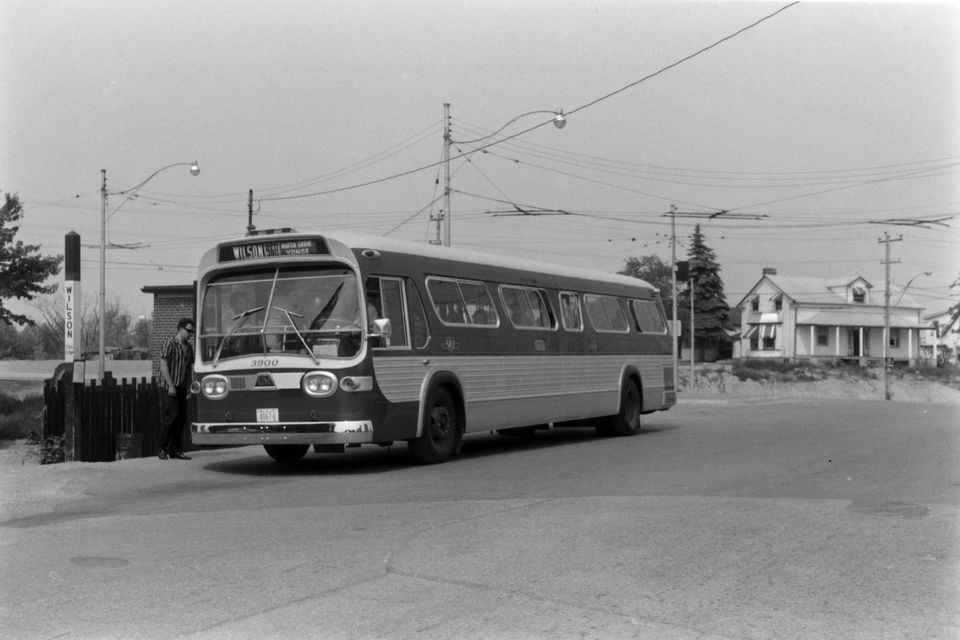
pixel 214 387
pixel 319 384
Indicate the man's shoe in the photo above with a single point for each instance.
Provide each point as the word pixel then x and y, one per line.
pixel 163 455
pixel 179 455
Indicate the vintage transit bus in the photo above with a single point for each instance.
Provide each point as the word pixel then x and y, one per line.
pixel 333 341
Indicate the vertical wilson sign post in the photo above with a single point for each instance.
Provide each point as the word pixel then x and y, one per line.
pixel 71 298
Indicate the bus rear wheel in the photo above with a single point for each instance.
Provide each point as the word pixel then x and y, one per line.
pixel 286 453
pixel 627 421
pixel 441 430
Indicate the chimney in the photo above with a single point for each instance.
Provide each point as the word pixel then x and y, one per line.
pixel 769 271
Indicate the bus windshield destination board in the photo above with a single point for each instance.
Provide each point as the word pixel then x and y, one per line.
pixel 271 249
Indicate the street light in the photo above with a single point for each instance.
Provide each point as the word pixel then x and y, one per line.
pixel 194 170
pixel 903 291
pixel 559 121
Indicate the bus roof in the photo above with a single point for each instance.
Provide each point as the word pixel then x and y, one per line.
pixel 359 242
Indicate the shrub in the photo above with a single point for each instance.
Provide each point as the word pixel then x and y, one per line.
pixel 51 451
pixel 777 371
pixel 18 418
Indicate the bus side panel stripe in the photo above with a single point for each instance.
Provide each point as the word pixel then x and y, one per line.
pixel 516 389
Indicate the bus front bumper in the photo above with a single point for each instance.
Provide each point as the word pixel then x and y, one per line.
pixel 347 432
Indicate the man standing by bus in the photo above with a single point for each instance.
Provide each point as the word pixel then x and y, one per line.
pixel 176 365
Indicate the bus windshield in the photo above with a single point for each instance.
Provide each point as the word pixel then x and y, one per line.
pixel 312 311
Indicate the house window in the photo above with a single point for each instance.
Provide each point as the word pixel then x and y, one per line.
pixel 755 303
pixel 823 336
pixel 859 295
pixel 778 303
pixel 895 337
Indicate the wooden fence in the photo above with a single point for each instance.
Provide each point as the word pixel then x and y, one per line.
pixel 104 422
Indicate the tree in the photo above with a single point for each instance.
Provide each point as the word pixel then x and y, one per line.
pixel 653 270
pixel 22 269
pixel 141 332
pixel 710 308
pixel 12 344
pixel 953 311
pixel 117 334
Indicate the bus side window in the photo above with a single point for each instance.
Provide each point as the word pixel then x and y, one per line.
pixel 526 307
pixel 386 299
pixel 570 311
pixel 419 330
pixel 648 316
pixel 606 314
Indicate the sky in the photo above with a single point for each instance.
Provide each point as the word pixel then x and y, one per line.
pixel 819 128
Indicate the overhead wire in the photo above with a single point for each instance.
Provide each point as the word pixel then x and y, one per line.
pixel 607 96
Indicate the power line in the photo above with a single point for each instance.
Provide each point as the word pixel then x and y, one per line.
pixel 533 128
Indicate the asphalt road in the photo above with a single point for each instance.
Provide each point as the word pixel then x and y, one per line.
pixel 798 519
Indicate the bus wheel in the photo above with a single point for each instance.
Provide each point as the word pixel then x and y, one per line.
pixel 286 452
pixel 627 422
pixel 441 431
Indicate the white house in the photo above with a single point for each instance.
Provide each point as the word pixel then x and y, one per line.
pixel 941 341
pixel 797 318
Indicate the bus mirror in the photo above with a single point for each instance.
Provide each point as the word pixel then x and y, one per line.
pixel 381 331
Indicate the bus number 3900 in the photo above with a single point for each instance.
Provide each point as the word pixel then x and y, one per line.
pixel 264 362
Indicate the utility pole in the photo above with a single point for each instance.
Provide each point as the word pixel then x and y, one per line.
pixel 250 227
pixel 101 358
pixel 445 216
pixel 673 282
pixel 723 213
pixel 693 371
pixel 886 240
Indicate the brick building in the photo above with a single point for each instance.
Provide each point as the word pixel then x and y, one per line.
pixel 170 303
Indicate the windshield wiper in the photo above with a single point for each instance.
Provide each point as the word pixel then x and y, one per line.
pixel 238 321
pixel 296 329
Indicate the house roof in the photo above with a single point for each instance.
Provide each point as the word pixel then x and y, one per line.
pixel 828 290
pixel 805 289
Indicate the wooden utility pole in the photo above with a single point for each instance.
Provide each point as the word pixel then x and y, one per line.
pixel 250 227
pixel 724 214
pixel 886 240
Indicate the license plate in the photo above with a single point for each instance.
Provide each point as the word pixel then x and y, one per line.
pixel 268 415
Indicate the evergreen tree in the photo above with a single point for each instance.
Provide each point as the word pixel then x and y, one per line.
pixel 22 269
pixel 710 308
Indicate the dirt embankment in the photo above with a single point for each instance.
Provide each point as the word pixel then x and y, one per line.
pixel 902 387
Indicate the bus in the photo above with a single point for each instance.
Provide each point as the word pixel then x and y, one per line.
pixel 335 341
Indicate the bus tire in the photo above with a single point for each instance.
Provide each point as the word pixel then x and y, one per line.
pixel 627 421
pixel 441 429
pixel 286 453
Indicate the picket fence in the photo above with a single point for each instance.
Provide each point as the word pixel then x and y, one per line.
pixel 104 421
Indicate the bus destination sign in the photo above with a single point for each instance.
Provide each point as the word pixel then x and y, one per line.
pixel 271 249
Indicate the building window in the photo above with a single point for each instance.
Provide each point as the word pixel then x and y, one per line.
pixel 755 303
pixel 859 295
pixel 895 337
pixel 778 303
pixel 823 336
